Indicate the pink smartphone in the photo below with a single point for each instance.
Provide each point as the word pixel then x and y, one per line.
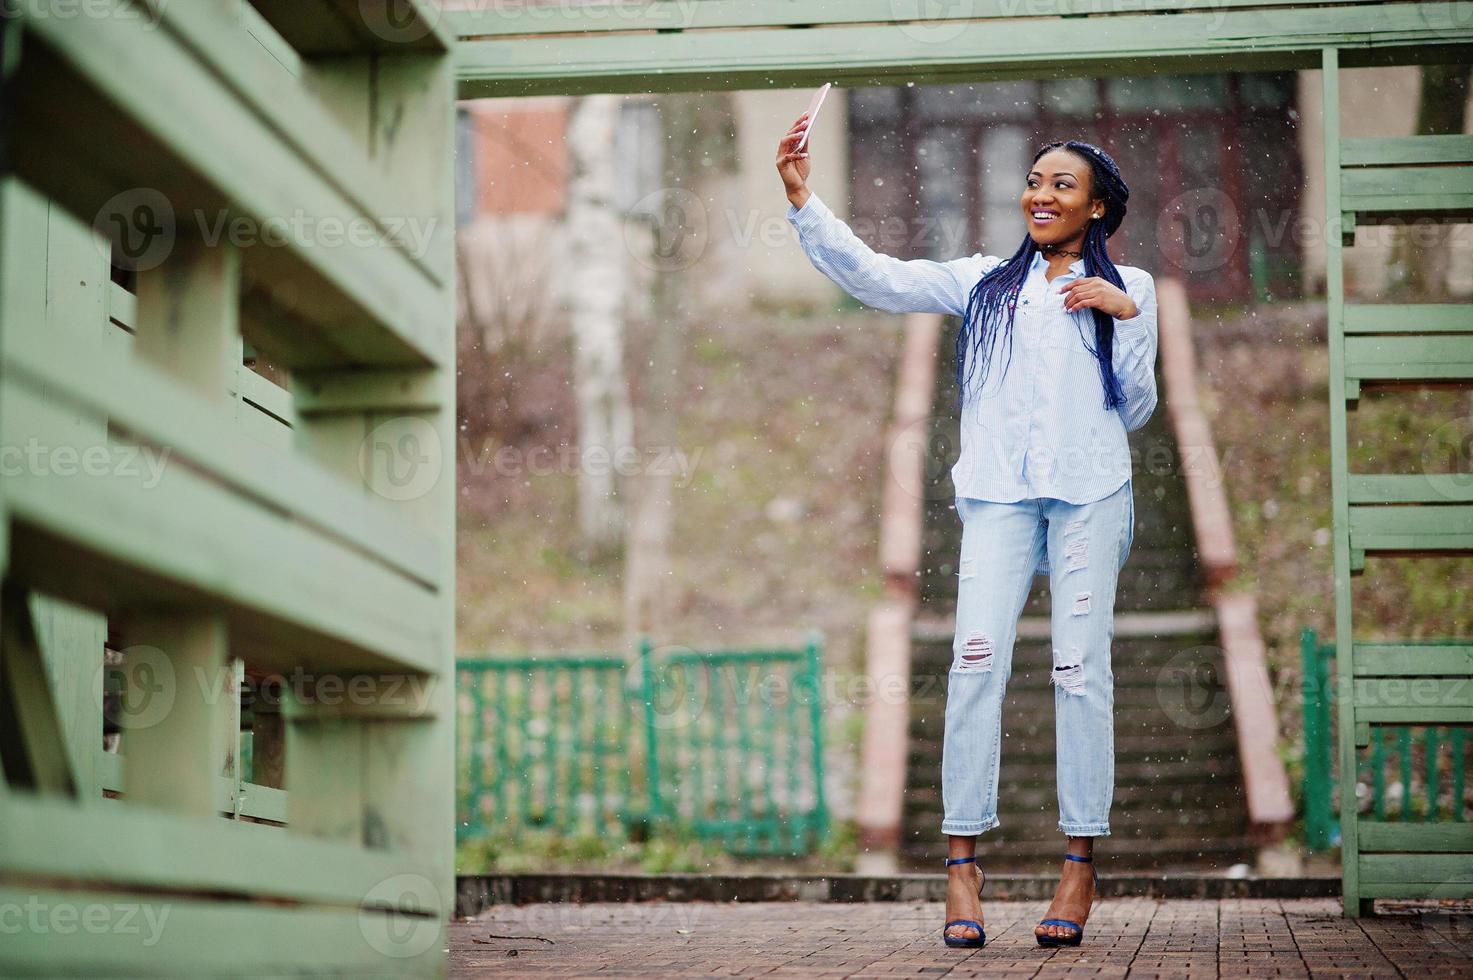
pixel 813 107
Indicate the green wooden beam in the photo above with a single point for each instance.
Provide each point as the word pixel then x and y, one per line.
pixel 340 27
pixel 236 149
pixel 777 49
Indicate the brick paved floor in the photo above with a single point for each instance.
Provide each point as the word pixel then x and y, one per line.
pixel 1136 938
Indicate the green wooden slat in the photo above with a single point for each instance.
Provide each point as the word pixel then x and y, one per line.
pixel 1448 182
pixel 1404 763
pixel 1413 659
pixel 1397 868
pixel 1430 750
pixel 1240 39
pixel 532 19
pixel 256 801
pixel 190 936
pixel 1403 357
pixel 53 840
pixel 1411 528
pixel 1459 740
pixel 174 535
pixel 1438 889
pixel 212 155
pixel 1378 774
pixel 1451 692
pixel 1401 714
pixel 196 431
pixel 1408 318
pixel 293 109
pixel 1349 726
pixel 1410 488
pixel 1406 150
pixel 335 27
pixel 122 307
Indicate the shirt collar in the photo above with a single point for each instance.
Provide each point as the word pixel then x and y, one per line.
pixel 1076 267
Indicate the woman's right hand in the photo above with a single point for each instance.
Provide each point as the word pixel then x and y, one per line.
pixel 792 165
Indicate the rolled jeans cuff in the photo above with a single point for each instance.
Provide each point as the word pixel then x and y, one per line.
pixel 969 828
pixel 1085 829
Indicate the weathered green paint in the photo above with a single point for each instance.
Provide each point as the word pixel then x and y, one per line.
pixel 758 44
pixel 271 540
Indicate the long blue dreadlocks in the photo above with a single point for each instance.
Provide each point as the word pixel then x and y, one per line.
pixel 1002 284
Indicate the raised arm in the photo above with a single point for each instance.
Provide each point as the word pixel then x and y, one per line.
pixel 882 281
pixel 1134 353
pixel 879 280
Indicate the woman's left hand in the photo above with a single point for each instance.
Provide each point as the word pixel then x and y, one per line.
pixel 1100 294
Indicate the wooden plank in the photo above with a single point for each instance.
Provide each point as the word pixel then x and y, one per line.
pixel 1420 691
pixel 1427 868
pixel 343 27
pixel 1380 835
pixel 628 15
pixel 75 285
pixel 1410 488
pixel 188 310
pixel 148 531
pixel 33 749
pixel 1410 529
pixel 1350 728
pixel 189 936
pixel 87 380
pixel 325 779
pixel 1413 659
pixel 348 392
pixel 174 753
pixel 1237 38
pixel 1416 889
pixel 291 106
pixel 171 852
pixel 1413 715
pixel 1406 150
pixel 252 799
pixel 1382 193
pixel 1408 318
pixel 1409 357
pixel 212 159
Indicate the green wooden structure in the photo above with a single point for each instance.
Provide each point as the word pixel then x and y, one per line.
pixel 1412 774
pixel 1390 683
pixel 725 745
pixel 274 183
pixel 278 174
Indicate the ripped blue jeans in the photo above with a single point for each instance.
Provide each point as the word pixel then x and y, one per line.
pixel 1082 548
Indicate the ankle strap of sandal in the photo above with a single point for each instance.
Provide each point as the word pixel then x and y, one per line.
pixel 951 861
pixel 1076 857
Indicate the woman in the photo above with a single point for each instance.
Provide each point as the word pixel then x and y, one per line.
pixel 1043 483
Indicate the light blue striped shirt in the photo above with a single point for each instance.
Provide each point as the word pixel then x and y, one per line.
pixel 1041 428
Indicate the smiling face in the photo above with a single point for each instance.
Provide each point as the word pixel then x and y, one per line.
pixel 1056 201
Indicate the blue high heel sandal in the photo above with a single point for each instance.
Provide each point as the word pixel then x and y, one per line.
pixel 1078 936
pixel 981 938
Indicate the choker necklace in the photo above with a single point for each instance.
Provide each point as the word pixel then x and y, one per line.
pixel 1050 250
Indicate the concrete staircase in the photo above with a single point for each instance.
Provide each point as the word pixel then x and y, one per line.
pixel 1179 795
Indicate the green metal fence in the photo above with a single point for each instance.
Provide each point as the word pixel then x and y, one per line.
pixel 1405 773
pixel 724 744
